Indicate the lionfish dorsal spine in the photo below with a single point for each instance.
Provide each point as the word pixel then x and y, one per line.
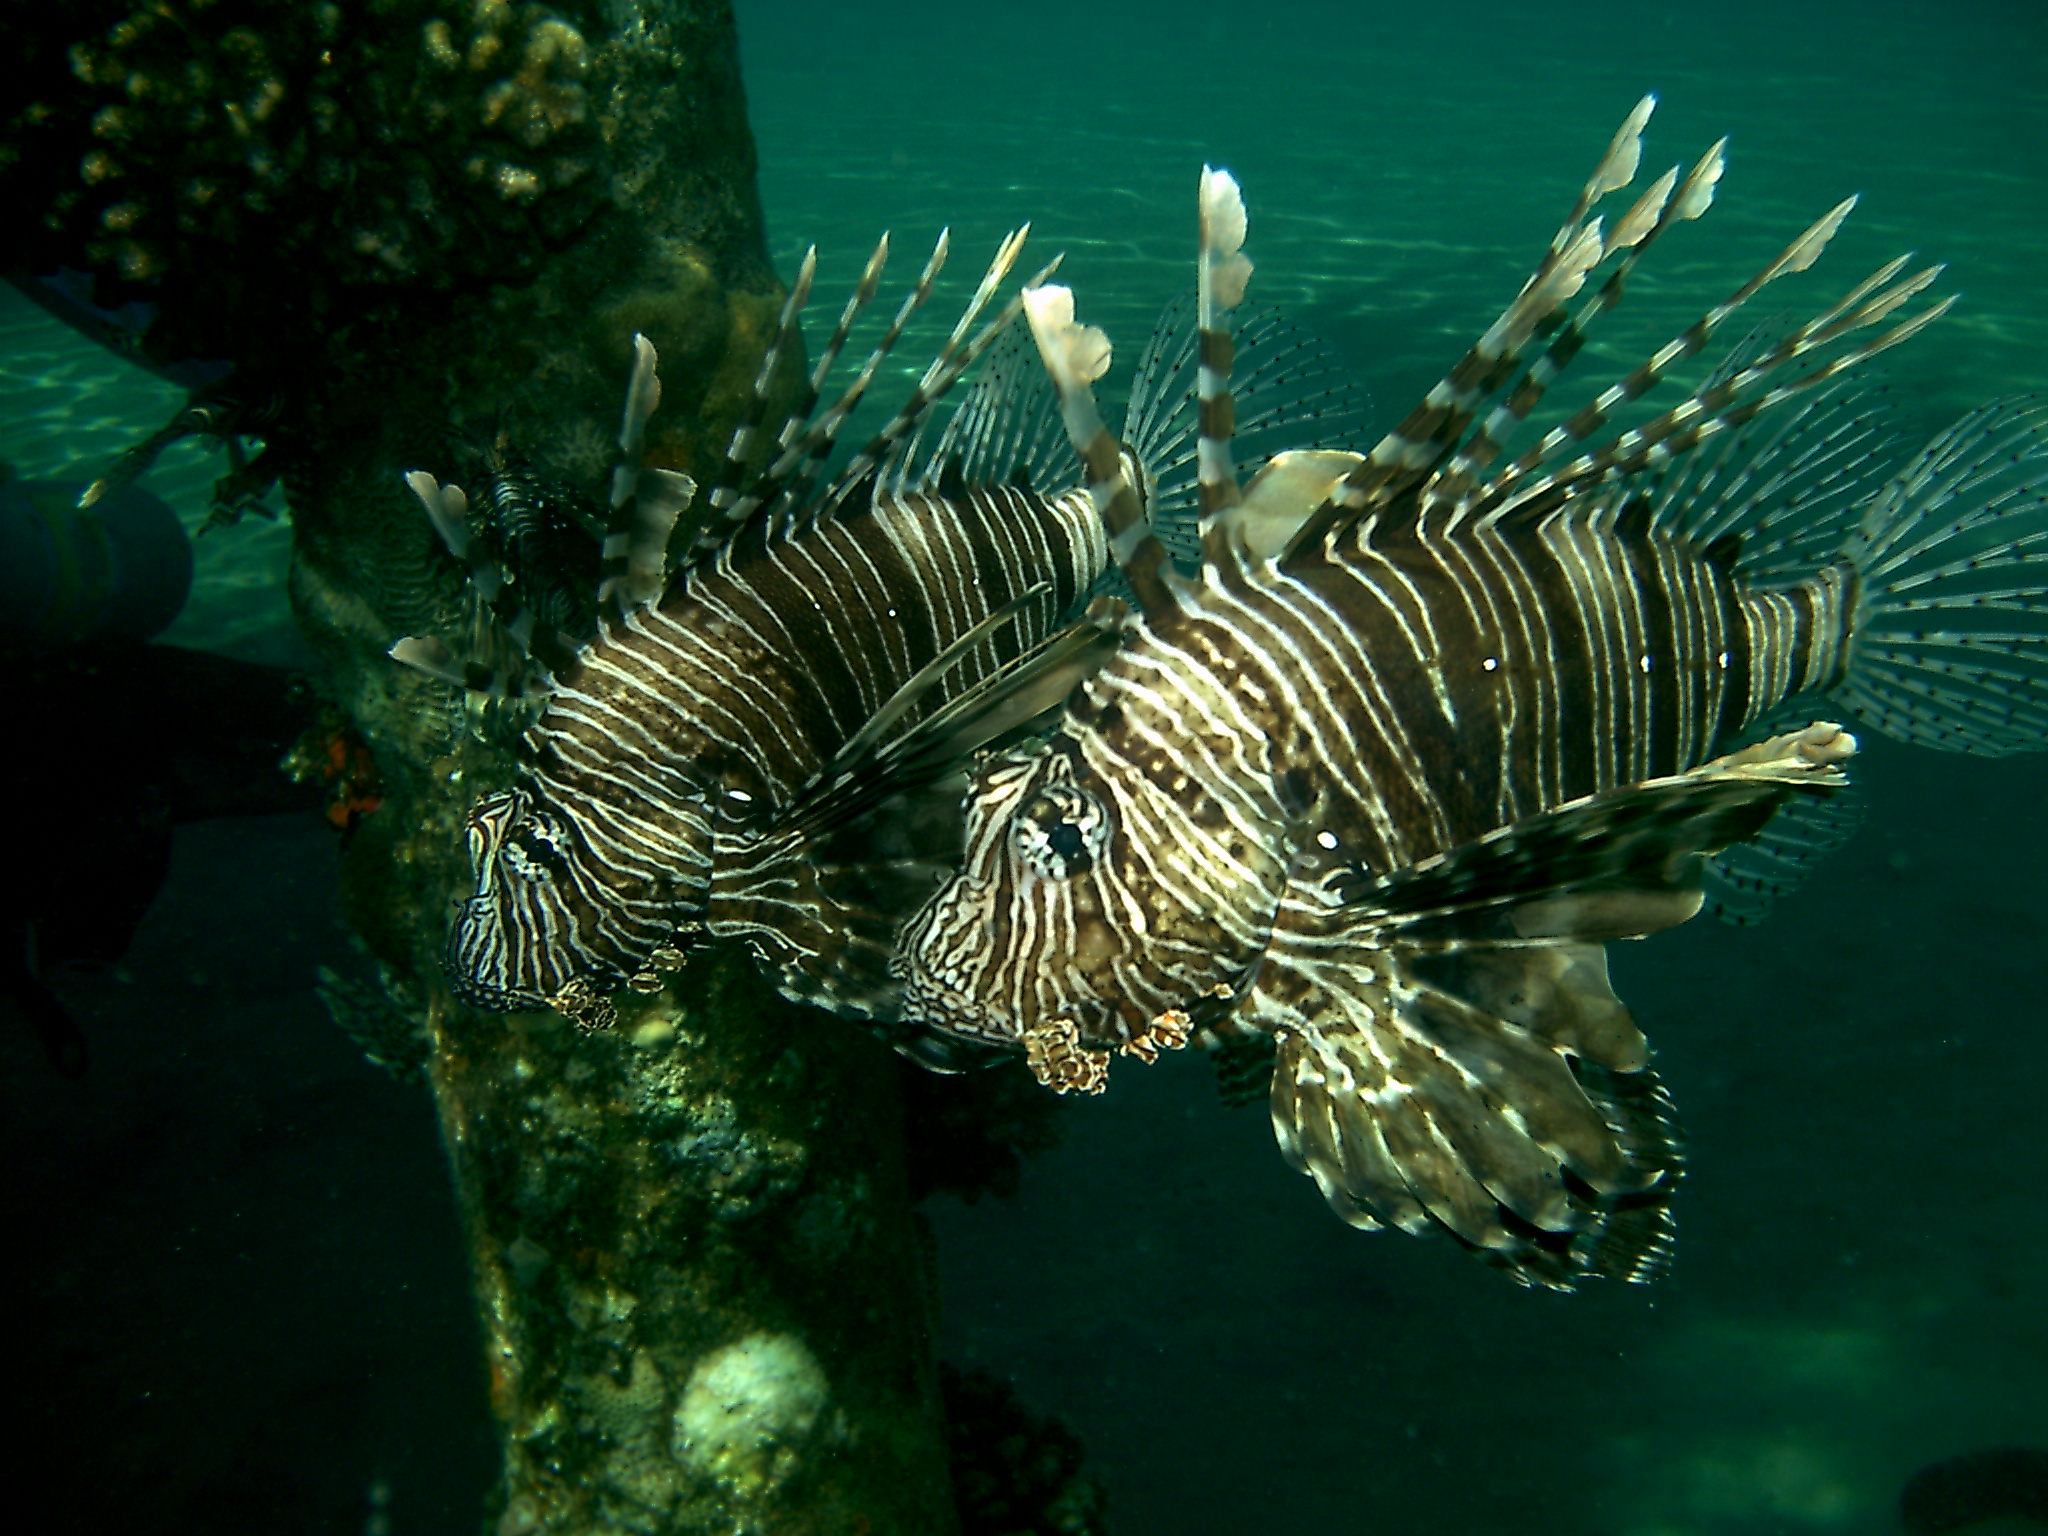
pixel 1264 516
pixel 1075 356
pixel 1664 203
pixel 645 503
pixel 962 348
pixel 1726 403
pixel 1221 272
pixel 1417 448
pixel 1800 254
pixel 790 476
pixel 498 607
pixel 724 509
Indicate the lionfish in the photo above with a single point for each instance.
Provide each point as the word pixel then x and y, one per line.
pixel 717 758
pixel 1432 724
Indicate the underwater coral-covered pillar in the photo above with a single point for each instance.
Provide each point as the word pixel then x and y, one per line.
pixel 699 1275
pixel 414 228
pixel 697 1268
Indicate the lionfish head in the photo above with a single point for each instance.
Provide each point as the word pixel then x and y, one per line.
pixel 522 938
pixel 1067 936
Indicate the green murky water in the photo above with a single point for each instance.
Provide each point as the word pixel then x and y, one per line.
pixel 1861 1256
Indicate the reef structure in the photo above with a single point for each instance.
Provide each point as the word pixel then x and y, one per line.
pixel 405 224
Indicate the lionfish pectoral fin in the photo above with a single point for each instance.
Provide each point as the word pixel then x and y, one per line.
pixel 1456 1092
pixel 817 939
pixel 1744 880
pixel 874 765
pixel 921 684
pixel 1618 864
pixel 1453 1054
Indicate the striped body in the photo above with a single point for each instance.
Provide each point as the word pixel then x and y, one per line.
pixel 1292 730
pixel 666 750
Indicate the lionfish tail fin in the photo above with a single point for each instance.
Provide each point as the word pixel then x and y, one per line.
pixel 1075 356
pixel 1948 643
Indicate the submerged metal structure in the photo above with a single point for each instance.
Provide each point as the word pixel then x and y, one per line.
pixel 406 223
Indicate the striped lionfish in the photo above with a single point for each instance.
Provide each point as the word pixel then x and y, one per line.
pixel 1432 724
pixel 704 759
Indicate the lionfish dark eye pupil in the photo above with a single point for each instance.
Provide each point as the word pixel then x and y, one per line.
pixel 1065 840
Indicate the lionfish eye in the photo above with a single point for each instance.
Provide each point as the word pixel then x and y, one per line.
pixel 1060 832
pixel 534 851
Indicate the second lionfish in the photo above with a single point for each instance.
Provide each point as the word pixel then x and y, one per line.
pixel 717 745
pixel 1434 723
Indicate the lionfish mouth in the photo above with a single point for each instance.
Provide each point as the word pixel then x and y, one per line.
pixel 474 994
pixel 929 1004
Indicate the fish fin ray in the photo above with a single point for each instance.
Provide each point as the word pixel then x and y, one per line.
pixel 1618 864
pixel 876 765
pixel 1452 1093
pixel 1948 647
pixel 1290 392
